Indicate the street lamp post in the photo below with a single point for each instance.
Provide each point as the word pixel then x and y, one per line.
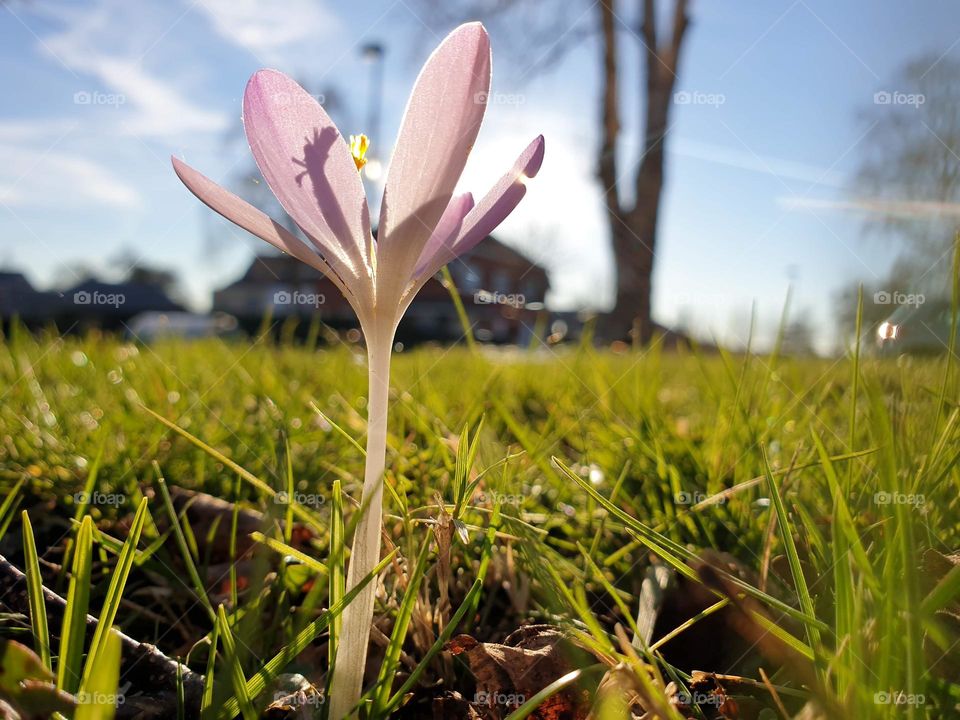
pixel 373 53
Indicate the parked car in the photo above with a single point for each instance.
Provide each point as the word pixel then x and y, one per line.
pixel 150 326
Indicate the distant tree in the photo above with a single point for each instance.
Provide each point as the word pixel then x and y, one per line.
pixel 908 184
pixel 66 276
pixel 128 266
pixel 545 30
pixel 910 170
pixel 143 275
pixel 798 338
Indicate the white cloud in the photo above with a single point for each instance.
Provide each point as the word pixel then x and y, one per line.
pixel 161 110
pixel 32 177
pixel 19 131
pixel 269 31
pixel 147 104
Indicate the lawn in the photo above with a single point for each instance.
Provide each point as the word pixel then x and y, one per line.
pixel 791 525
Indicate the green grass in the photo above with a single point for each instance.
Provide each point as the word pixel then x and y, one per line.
pixel 578 465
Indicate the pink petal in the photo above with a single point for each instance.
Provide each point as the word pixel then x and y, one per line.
pixel 447 230
pixel 439 128
pixel 493 209
pixel 308 166
pixel 250 219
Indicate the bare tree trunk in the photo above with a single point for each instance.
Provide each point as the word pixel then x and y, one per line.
pixel 634 230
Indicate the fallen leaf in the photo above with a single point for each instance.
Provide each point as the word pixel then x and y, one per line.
pixel 509 674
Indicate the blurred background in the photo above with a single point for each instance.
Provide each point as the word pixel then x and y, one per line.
pixel 710 166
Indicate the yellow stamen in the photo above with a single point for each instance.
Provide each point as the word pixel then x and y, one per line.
pixel 358 148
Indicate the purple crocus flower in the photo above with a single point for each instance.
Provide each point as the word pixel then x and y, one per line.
pixel 423 226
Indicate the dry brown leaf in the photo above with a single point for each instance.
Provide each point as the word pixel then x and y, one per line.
pixel 508 674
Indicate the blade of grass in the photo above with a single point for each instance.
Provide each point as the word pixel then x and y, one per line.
pixel 301 512
pixel 793 558
pixel 284 549
pixel 343 433
pixel 198 588
pixel 181 702
pixel 391 657
pixel 8 509
pixel 83 503
pixel 943 593
pixel 98 698
pixel 954 319
pixel 73 631
pixel 451 287
pixel 236 672
pixel 337 576
pixel 38 609
pixel 207 710
pixel 234 520
pixel 578 603
pixel 843 517
pixel 690 622
pixel 111 602
pixel 466 456
pixel 855 383
pixel 528 708
pixel 288 476
pixel 259 681
pixel 675 553
pixel 610 589
pixel 466 607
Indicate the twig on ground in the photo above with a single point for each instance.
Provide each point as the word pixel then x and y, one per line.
pixel 151 674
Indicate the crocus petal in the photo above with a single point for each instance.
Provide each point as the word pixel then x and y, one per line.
pixel 492 210
pixel 308 166
pixel 447 230
pixel 245 215
pixel 439 128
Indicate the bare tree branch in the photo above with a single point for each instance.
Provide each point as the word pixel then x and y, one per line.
pixel 610 124
pixel 152 675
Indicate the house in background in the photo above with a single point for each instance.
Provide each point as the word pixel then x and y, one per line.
pixel 503 293
pixel 90 303
pixel 111 305
pixel 18 298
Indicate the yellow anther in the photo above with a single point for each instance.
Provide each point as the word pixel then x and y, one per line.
pixel 358 148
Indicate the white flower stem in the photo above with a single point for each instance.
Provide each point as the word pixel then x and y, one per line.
pixel 365 554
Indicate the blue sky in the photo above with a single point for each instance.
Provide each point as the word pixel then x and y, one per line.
pixel 99 93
